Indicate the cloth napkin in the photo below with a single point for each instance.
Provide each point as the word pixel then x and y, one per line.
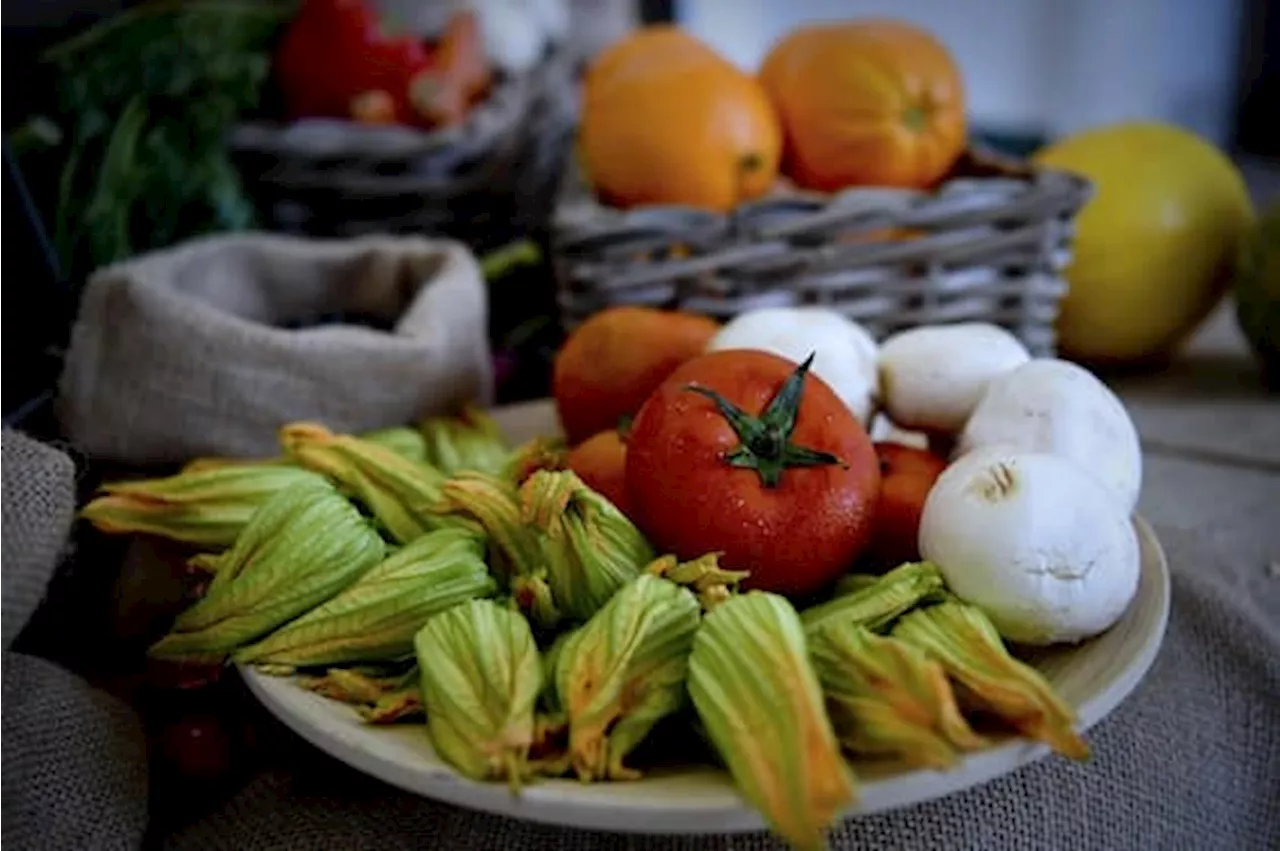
pixel 74 768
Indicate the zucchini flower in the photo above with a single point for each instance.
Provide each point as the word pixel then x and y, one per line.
pixel 853 582
pixel 622 672
pixel 549 701
pixel 378 700
pixel 481 676
pixel 470 440
pixel 886 698
pixel 397 491
pixel 756 693
pixel 878 604
pixel 515 553
pixel 961 638
pixel 539 453
pixel 401 440
pixel 589 547
pixel 550 753
pixel 206 508
pixel 711 583
pixel 375 618
pixel 303 546
pixel 206 564
pixel 403 704
pixel 217 462
pixel 347 685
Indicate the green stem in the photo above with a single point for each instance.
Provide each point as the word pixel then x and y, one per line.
pixel 502 261
pixel 117 184
pixel 64 240
pixel 766 445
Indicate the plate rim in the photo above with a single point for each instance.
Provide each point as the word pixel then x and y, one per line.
pixel 374 751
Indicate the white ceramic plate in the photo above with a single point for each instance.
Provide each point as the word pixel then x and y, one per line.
pixel 1093 677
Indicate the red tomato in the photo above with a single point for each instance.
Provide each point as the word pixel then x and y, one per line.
pixel 600 461
pixel 907 475
pixel 777 475
pixel 198 746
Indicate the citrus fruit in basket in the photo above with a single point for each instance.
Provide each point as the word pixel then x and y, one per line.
pixel 667 120
pixel 761 463
pixel 611 363
pixel 1156 246
pixel 866 102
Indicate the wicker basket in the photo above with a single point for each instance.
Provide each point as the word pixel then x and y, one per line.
pixel 482 181
pixel 988 244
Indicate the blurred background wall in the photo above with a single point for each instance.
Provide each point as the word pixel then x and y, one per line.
pixel 1043 68
pixel 1036 68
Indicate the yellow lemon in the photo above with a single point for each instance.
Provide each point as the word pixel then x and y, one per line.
pixel 1155 247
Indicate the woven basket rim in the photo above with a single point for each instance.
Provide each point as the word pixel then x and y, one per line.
pixel 319 139
pixel 989 243
pixel 581 216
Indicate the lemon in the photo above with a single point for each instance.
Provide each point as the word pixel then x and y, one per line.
pixel 1155 247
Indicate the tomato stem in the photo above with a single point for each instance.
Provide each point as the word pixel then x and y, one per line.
pixel 766 445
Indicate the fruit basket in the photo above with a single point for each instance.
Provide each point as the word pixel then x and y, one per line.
pixel 988 243
pixel 496 171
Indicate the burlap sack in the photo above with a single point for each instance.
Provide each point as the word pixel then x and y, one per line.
pixel 1191 761
pixel 39 505
pixel 74 773
pixel 195 350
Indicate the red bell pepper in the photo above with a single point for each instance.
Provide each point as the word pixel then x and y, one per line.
pixel 335 61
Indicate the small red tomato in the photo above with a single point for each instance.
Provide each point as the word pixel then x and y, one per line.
pixel 600 461
pixel 198 747
pixel 907 475
pixel 741 452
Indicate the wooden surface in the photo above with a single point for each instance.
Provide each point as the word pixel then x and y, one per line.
pixel 1211 449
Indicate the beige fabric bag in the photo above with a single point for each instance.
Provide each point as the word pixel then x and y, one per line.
pixel 190 350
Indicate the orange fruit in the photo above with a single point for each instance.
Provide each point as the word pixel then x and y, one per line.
pixel 609 364
pixel 667 120
pixel 866 102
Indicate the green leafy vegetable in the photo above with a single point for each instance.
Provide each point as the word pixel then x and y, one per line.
pixel 144 103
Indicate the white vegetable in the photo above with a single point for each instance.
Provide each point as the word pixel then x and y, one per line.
pixel 513 33
pixel 844 353
pixel 1034 541
pixel 553 17
pixel 1054 406
pixel 932 377
pixel 425 20
pixel 884 430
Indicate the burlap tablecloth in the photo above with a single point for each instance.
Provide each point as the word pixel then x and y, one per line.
pixel 1191 760
pixel 74 767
